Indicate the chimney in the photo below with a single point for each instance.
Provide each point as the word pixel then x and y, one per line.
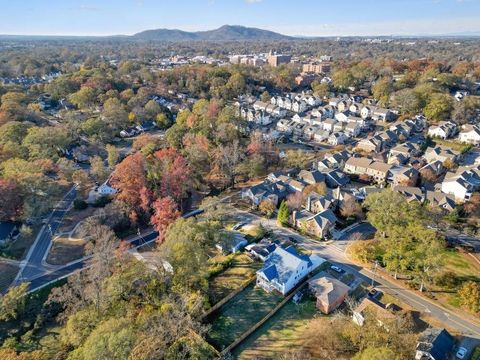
pixel 309 203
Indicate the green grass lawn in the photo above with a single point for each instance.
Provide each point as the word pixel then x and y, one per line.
pixel 241 313
pixel 253 232
pixel 241 270
pixel 462 265
pixel 280 333
pixel 465 267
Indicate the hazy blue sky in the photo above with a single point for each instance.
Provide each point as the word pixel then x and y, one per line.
pixel 292 17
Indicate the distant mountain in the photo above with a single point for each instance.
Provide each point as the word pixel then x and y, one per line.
pixel 224 33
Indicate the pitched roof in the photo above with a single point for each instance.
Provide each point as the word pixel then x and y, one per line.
pixel 375 306
pixel 311 176
pixel 282 263
pixel 322 219
pixel 380 166
pixel 437 342
pixel 359 162
pixel 327 289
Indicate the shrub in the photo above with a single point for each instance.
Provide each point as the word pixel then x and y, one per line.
pixel 101 202
pixel 448 280
pixel 79 204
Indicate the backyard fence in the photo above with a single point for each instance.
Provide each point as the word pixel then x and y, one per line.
pixel 250 331
pixel 226 299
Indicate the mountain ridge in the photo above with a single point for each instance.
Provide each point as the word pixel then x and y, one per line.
pixel 223 33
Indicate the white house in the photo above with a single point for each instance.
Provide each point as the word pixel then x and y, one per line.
pixel 106 189
pixel 286 268
pixel 342 116
pixel 299 106
pixel 444 130
pixel 366 112
pixel 462 183
pixel 337 138
pixel 470 134
pixel 233 243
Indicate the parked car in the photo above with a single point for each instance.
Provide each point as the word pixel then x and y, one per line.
pixel 461 352
pixel 337 269
pixel 292 239
pixel 374 293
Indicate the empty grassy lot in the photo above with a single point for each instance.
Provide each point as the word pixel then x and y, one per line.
pixel 64 251
pixel 241 270
pixel 282 332
pixel 241 313
pixel 465 267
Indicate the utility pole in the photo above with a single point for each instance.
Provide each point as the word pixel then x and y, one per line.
pixel 374 272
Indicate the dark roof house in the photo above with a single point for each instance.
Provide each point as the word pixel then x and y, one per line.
pixel 434 344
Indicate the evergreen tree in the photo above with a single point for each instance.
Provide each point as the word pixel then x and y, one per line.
pixel 283 214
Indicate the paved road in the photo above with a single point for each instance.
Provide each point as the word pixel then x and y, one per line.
pixel 358 231
pixel 456 237
pixel 45 277
pixel 337 256
pixel 67 270
pixel 33 265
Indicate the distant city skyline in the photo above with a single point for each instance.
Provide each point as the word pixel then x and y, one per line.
pixel 300 17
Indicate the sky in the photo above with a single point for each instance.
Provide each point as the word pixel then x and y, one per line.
pixel 290 17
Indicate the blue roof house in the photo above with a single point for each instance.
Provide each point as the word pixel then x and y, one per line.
pixel 286 268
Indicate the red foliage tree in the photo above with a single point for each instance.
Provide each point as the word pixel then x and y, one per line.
pixel 129 179
pixel 165 213
pixel 11 201
pixel 172 173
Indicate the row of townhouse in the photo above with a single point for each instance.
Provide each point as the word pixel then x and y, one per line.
pixel 469 134
pixel 390 137
pixel 259 117
pixel 421 195
pixel 381 172
pixel 365 111
pixel 316 129
pixel 277 186
pixel 296 102
pixel 269 108
pixel 327 131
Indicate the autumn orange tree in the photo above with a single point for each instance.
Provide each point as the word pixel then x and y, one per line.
pixel 165 212
pixel 129 179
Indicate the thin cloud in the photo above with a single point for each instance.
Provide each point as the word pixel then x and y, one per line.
pixel 84 7
pixel 253 1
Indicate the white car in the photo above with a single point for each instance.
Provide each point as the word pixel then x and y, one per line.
pixel 337 269
pixel 461 353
